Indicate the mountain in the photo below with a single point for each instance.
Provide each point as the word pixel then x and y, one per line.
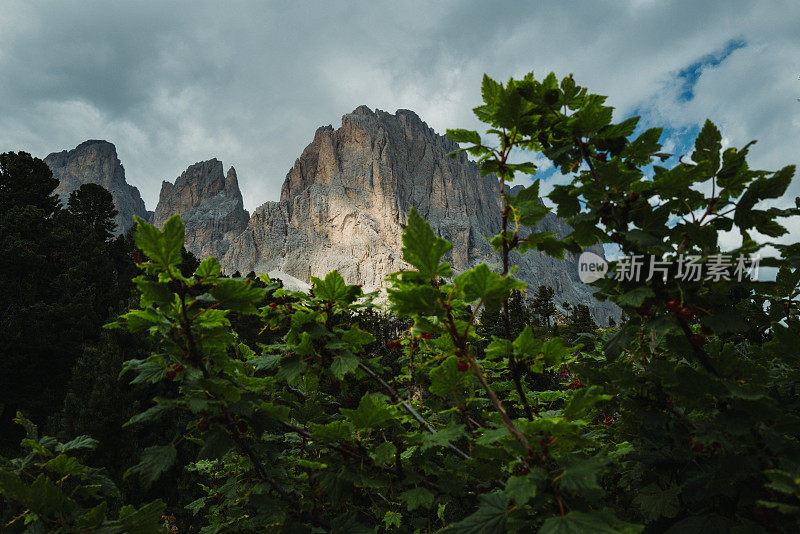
pixel 343 206
pixel 210 204
pixel 345 202
pixel 97 162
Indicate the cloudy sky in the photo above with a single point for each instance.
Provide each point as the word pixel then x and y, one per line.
pixel 172 83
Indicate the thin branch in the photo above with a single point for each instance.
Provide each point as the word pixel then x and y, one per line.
pixel 410 409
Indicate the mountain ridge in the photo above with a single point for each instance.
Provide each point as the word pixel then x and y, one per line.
pixel 345 201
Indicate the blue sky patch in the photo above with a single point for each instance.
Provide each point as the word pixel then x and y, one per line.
pixel 690 74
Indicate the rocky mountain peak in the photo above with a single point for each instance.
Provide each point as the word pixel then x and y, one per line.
pixel 210 204
pixel 96 161
pixel 346 199
pixel 343 206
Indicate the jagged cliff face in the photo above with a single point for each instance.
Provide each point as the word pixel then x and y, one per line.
pixel 97 162
pixel 343 206
pixel 344 203
pixel 210 204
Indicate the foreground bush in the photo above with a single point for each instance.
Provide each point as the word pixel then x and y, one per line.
pixel 682 419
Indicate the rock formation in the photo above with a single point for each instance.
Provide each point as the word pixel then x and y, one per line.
pixel 210 204
pixel 344 204
pixel 97 162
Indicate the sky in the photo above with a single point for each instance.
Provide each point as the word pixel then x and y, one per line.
pixel 173 83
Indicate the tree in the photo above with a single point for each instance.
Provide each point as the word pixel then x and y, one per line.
pixel 95 206
pixel 543 305
pixel 60 281
pixel 26 181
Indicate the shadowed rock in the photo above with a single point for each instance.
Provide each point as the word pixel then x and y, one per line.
pixel 96 162
pixel 210 204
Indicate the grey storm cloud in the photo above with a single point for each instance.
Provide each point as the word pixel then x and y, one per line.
pixel 172 83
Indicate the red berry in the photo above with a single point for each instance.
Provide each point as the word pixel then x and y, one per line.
pixel 462 366
pixel 608 421
pixel 273 305
pixel 686 314
pixel 426 335
pixel 673 305
pixel 524 471
pixel 203 426
pixel 697 340
pixel 171 374
pixel 178 368
pixel 242 426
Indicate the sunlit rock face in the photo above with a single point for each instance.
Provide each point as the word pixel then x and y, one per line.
pixel 96 162
pixel 346 199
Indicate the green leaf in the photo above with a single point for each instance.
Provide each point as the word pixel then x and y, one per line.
pixel 343 363
pixel 654 502
pixel 527 346
pixel 499 349
pixel 422 248
pixel 464 136
pixel 447 381
pixel 331 432
pixel 417 497
pixel 196 505
pixel 384 453
pixel 582 475
pixel 65 465
pixel 153 293
pixel 161 246
pixel 216 443
pixel 442 437
pixel 237 295
pixel 208 268
pixel 583 400
pixel 577 522
pixel 333 288
pixel 357 338
pixel 154 461
pixel 556 353
pixel 45 499
pixel 526 206
pixel 482 284
pixel 145 520
pixel 708 146
pixel 93 518
pixel 521 489
pixel 489 518
pixel 81 442
pixel 392 519
pixel 372 412
pixel 640 150
pixel 635 297
pixel 762 188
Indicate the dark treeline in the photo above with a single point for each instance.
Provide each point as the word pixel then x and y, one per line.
pixel 64 275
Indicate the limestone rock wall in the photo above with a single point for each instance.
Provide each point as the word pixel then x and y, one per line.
pixel 97 162
pixel 210 204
